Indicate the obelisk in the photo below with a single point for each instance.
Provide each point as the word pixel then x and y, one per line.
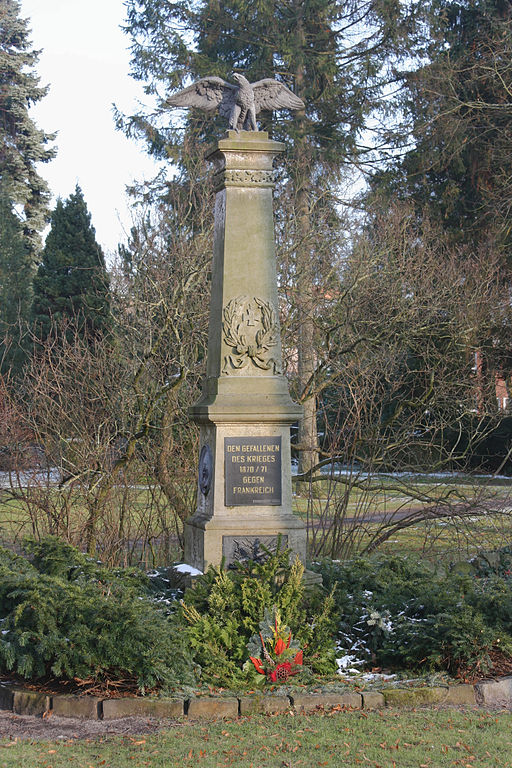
pixel 245 412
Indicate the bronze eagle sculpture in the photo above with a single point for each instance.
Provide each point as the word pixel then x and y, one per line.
pixel 238 103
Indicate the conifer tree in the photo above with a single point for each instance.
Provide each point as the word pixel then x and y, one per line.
pixel 22 144
pixel 71 285
pixel 454 160
pixel 24 195
pixel 15 288
pixel 459 166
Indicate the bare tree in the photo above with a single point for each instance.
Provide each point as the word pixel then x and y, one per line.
pixel 111 413
pixel 397 382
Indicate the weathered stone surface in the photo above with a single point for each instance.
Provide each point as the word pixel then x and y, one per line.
pixel 494 693
pixel 6 697
pixel 260 704
pixel 114 708
pixel 26 702
pixel 211 93
pixel 413 697
pixel 23 701
pixel 461 695
pixel 211 708
pixel 30 702
pixel 76 706
pixel 307 702
pixel 373 700
pixel 245 397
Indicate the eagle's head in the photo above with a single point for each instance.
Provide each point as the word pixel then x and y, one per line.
pixel 241 80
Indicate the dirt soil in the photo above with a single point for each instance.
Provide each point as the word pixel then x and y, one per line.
pixel 51 728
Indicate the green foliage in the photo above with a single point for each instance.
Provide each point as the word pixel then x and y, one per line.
pixel 495 563
pixel 24 195
pixel 400 612
pixel 16 271
pixel 9 561
pixel 71 285
pixel 23 144
pixel 310 45
pixel 457 165
pixel 65 615
pixel 54 557
pixel 225 609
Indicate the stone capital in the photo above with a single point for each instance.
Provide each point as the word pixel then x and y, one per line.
pixel 244 160
pixel 246 141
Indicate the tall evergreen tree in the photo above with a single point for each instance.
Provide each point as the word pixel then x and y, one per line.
pixel 15 288
pixel 458 109
pixel 455 162
pixel 332 54
pixel 22 144
pixel 71 285
pixel 24 195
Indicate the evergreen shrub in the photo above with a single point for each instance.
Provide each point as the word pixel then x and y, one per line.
pixel 224 610
pixel 396 611
pixel 66 616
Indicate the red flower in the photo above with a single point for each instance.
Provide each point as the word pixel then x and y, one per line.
pixel 279 647
pixel 257 664
pixel 281 672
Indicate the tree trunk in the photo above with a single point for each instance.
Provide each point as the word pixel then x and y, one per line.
pixel 304 272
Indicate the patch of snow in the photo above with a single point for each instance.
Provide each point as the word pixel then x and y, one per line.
pixel 340 470
pixel 27 479
pixel 372 676
pixel 345 662
pixel 184 568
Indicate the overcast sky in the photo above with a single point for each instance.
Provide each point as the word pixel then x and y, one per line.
pixel 85 60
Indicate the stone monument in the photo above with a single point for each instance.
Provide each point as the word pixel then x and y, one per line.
pixel 245 412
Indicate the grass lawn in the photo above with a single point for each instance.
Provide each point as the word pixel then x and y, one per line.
pixel 360 515
pixel 388 739
pixel 146 515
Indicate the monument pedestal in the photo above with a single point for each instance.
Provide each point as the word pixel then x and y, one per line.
pixel 245 412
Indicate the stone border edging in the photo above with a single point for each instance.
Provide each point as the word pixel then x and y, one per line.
pixel 22 701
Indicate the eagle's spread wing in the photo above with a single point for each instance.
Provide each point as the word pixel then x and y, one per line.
pixel 271 94
pixel 207 94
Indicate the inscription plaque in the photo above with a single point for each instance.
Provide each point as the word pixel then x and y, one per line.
pixel 252 471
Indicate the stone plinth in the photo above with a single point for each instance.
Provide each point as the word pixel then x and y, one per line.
pixel 245 412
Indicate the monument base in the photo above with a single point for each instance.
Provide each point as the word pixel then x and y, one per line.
pixel 246 504
pixel 221 539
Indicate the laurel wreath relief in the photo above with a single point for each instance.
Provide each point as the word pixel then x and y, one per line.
pixel 251 329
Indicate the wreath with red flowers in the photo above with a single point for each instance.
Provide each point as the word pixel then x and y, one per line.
pixel 274 654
